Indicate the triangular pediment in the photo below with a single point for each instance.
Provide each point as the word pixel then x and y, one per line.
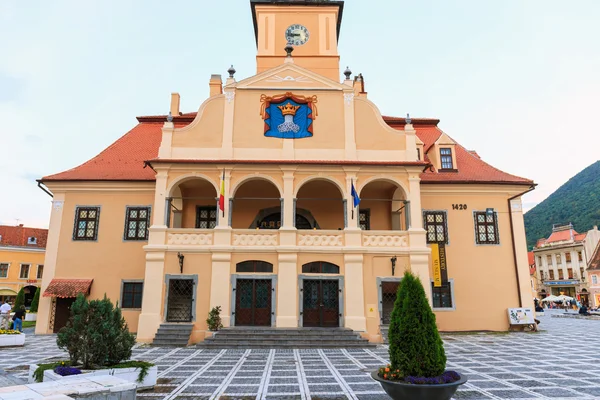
pixel 288 76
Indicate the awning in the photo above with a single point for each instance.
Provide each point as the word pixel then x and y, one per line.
pixel 67 287
pixel 7 292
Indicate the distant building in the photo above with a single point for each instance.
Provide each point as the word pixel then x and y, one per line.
pixel 561 260
pixel 593 271
pixel 21 261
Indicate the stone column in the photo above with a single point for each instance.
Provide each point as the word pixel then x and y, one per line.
pixel 287 232
pixel 154 277
pixel 220 285
pixel 44 307
pixel 416 219
pixel 287 291
pixel 354 295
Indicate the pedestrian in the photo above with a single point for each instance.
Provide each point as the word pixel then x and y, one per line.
pixel 5 315
pixel 18 318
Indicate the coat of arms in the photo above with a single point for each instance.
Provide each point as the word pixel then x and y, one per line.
pixel 288 116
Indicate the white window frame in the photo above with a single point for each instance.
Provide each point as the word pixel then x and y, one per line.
pixel 28 271
pixel 7 270
pixel 453 308
pixel 594 279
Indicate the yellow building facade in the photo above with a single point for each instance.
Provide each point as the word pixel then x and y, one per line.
pixel 249 204
pixel 21 261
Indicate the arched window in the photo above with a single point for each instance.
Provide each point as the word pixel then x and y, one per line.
pixel 254 266
pixel 320 267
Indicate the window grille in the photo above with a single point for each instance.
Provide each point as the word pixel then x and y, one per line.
pixel 86 223
pixel 132 295
pixel 206 217
pixel 486 228
pixel 436 226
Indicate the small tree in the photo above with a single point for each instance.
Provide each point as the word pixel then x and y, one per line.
pixel 416 348
pixel 35 302
pixel 96 334
pixel 20 300
pixel 214 319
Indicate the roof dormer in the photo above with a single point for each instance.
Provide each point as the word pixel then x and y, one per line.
pixel 442 154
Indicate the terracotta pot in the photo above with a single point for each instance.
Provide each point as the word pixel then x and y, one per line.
pixel 406 391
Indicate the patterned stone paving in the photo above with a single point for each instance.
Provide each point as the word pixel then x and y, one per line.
pixel 561 362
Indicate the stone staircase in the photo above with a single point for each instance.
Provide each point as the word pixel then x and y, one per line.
pixel 285 338
pixel 177 335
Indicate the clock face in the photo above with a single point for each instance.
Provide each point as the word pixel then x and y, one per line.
pixel 297 35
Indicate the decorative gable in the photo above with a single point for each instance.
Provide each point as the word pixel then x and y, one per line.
pixel 442 154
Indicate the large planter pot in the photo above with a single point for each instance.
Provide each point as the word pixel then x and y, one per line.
pixel 31 317
pixel 128 374
pixel 12 340
pixel 406 391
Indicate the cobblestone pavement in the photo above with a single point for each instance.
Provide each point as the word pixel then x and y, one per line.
pixel 561 362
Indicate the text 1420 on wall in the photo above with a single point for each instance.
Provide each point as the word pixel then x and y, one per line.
pixel 459 207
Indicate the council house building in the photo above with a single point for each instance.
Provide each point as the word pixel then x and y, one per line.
pixel 288 200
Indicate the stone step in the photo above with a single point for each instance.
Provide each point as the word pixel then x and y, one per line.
pixel 286 332
pixel 162 335
pixel 169 342
pixel 176 327
pixel 294 341
pixel 287 346
pixel 284 337
pixel 177 335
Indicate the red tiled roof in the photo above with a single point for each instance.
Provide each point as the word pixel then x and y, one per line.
pixel 531 258
pixel 124 159
pixel 18 236
pixel 67 287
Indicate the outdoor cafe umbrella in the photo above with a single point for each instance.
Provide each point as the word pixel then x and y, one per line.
pixel 552 298
pixel 562 297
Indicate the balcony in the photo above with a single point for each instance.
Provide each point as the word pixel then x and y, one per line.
pixel 254 216
pixel 178 237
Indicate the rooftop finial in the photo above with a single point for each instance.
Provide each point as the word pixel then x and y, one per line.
pixel 348 73
pixel 170 117
pixel 231 71
pixel 289 49
pixel 408 119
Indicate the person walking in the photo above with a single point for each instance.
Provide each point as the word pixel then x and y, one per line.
pixel 5 315
pixel 18 318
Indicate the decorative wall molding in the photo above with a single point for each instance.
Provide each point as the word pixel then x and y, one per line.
pixel 260 239
pixel 349 98
pixel 322 240
pixel 382 240
pixel 191 239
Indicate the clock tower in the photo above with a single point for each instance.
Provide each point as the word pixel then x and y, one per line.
pixel 311 26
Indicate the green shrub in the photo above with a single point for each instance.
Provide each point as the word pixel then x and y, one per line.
pixel 96 334
pixel 214 319
pixel 35 302
pixel 416 348
pixel 20 300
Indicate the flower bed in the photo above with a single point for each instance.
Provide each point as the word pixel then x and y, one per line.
pixel 143 374
pixel 396 376
pixel 9 337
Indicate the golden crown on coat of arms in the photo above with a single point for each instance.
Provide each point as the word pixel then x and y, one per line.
pixel 288 109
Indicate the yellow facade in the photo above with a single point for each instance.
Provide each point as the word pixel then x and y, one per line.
pixel 288 204
pixel 24 269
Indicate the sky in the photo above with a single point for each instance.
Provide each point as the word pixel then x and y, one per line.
pixel 516 80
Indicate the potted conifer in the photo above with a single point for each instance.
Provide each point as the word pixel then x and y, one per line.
pixel 417 357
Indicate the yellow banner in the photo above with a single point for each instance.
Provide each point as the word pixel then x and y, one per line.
pixel 437 271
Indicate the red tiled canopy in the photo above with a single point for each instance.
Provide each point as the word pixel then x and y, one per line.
pixel 67 287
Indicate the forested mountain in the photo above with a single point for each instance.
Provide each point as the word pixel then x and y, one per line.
pixel 577 201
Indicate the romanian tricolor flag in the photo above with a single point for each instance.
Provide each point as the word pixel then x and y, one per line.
pixel 222 194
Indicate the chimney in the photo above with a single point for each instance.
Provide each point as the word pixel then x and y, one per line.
pixel 359 86
pixel 175 104
pixel 216 85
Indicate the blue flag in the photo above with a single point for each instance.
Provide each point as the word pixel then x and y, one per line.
pixel 355 198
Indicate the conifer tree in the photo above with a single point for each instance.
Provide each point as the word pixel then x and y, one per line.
pixel 20 300
pixel 416 348
pixel 35 302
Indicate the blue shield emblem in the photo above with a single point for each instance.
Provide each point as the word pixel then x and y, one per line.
pixel 289 116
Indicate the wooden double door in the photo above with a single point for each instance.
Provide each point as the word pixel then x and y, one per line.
pixel 253 302
pixel 321 303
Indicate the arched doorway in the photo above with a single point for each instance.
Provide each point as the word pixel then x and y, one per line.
pixel 324 200
pixel 321 294
pixel 383 206
pixel 29 292
pixel 193 204
pixel 249 199
pixel 270 218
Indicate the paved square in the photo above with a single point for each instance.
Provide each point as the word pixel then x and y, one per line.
pixel 560 362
